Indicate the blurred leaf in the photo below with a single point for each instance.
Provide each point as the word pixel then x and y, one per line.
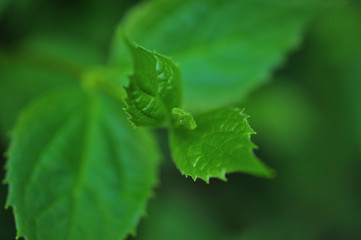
pixel 277 228
pixel 75 170
pixel 40 64
pixel 91 21
pixel 3 5
pixel 19 84
pixel 220 144
pixel 339 46
pixel 225 48
pixel 154 88
pixel 330 69
pixel 67 48
pixel 287 116
pixel 177 216
pixel 283 115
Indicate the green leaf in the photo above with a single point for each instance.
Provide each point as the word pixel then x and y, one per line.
pixel 78 170
pixel 154 88
pixel 225 48
pixel 220 144
pixel 183 119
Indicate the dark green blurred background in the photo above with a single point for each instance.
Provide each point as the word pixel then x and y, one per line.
pixel 308 120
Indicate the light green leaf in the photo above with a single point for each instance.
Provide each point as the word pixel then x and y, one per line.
pixel 154 88
pixel 225 48
pixel 77 170
pixel 182 119
pixel 220 144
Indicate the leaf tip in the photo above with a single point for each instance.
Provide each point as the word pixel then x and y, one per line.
pixel 183 119
pixel 223 175
pixel 129 117
pixel 271 173
pixel 207 179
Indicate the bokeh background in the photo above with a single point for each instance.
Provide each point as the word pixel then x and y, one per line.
pixel 308 120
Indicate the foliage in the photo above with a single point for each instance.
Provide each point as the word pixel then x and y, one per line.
pixel 85 157
pixel 225 50
pixel 154 89
pixel 218 145
pixel 82 118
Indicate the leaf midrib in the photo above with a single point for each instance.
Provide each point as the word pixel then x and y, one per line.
pixel 91 121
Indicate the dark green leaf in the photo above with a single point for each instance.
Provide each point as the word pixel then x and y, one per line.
pixel 3 5
pixel 177 215
pixel 40 64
